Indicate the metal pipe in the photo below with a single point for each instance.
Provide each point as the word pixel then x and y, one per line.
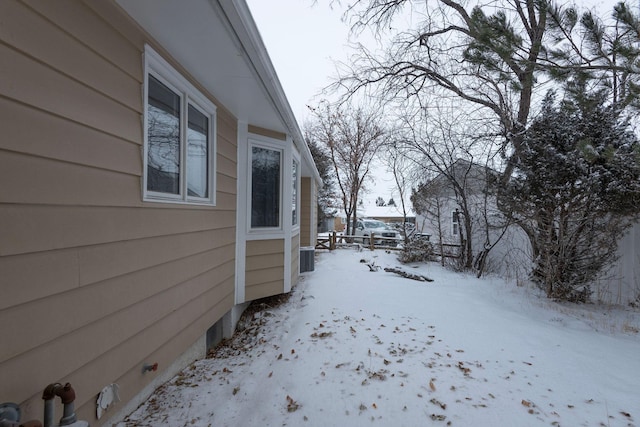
pixel 48 395
pixel 68 415
pixel 67 395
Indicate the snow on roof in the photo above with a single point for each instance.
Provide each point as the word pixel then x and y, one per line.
pixel 373 211
pixel 387 211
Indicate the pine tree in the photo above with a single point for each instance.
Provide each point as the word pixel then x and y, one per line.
pixel 326 194
pixel 577 186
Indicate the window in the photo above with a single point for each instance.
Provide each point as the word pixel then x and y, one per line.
pixel 265 187
pixel 455 222
pixel 179 137
pixel 294 193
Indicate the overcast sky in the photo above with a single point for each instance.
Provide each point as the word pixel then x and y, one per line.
pixel 305 40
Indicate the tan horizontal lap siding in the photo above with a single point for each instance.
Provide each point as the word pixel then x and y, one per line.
pixel 264 268
pixel 95 281
pixel 84 342
pixel 66 140
pixel 64 270
pixel 28 81
pixel 33 228
pixel 267 132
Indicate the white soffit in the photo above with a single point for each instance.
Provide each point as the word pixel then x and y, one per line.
pixel 218 43
pixel 200 39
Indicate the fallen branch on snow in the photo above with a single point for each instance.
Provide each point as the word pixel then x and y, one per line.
pixel 402 273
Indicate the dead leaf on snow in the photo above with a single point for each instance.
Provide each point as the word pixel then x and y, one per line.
pixel 438 403
pixel 463 368
pixel 432 386
pixel 321 335
pixel 292 405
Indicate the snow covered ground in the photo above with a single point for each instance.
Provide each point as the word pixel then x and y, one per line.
pixel 353 347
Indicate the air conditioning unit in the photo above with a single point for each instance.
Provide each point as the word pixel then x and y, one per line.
pixel 307 255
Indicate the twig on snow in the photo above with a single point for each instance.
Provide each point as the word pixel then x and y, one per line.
pixel 412 276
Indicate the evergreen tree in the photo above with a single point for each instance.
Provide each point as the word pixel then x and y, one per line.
pixel 326 194
pixel 577 186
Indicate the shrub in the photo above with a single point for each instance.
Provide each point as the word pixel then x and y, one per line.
pixel 416 250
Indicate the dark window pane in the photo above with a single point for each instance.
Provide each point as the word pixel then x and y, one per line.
pixel 163 159
pixel 197 154
pixel 294 208
pixel 265 187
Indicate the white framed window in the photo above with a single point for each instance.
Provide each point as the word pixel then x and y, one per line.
pixel 179 137
pixel 265 200
pixel 295 184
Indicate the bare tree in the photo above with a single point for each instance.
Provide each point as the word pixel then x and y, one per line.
pixel 497 56
pixel 352 137
pixel 451 147
pixel 493 56
pixel 402 170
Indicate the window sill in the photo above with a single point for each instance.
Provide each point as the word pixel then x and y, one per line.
pixel 179 202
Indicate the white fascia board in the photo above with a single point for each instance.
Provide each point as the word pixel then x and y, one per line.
pixel 244 26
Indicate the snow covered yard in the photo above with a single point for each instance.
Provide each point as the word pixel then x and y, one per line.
pixel 353 347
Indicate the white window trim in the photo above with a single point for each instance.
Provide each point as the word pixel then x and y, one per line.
pixel 275 146
pixel 296 158
pixel 155 65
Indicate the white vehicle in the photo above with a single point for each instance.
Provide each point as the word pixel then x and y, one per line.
pixel 366 227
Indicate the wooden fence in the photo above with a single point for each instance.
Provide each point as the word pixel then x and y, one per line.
pixel 334 240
